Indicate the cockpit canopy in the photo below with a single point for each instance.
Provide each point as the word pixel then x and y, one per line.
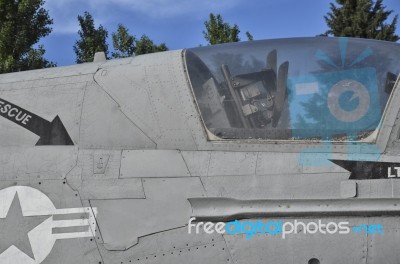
pixel 319 88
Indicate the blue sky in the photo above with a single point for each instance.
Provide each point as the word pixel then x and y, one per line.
pixel 179 23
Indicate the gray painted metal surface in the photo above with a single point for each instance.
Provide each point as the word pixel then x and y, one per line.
pixel 164 197
pixel 299 248
pixel 152 163
pixel 227 209
pixel 141 152
pixel 173 246
pixel 98 113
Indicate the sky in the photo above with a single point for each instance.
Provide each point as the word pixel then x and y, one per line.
pixel 180 23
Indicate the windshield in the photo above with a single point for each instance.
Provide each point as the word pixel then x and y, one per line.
pixel 319 88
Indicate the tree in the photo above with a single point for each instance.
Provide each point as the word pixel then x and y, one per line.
pixel 34 59
pixel 249 36
pixel 145 45
pixel 361 19
pixel 91 40
pixel 217 31
pixel 22 25
pixel 126 45
pixel 123 43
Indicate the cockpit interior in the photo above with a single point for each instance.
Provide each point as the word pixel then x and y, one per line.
pixel 318 88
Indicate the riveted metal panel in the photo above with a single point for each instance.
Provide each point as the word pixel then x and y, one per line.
pixel 172 246
pixel 50 73
pixel 232 163
pixel 153 163
pixel 108 188
pixel 299 248
pixel 37 163
pixel 153 95
pixel 93 183
pixel 301 186
pixel 166 207
pixel 132 94
pixel 197 162
pixel 212 253
pixel 104 125
pixel 45 82
pixel 383 248
pixel 278 163
pixel 87 159
pixel 166 97
pixel 75 251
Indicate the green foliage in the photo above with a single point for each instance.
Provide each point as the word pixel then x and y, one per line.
pixel 145 45
pixel 91 40
pixel 123 43
pixel 361 19
pixel 34 59
pixel 22 24
pixel 218 32
pixel 249 36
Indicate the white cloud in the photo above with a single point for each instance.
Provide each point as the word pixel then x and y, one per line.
pixel 162 8
pixel 64 12
pixel 65 27
pixel 170 8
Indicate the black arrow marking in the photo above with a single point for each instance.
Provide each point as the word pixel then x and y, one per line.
pixel 364 170
pixel 50 133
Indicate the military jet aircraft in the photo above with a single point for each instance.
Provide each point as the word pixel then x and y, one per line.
pixel 272 151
